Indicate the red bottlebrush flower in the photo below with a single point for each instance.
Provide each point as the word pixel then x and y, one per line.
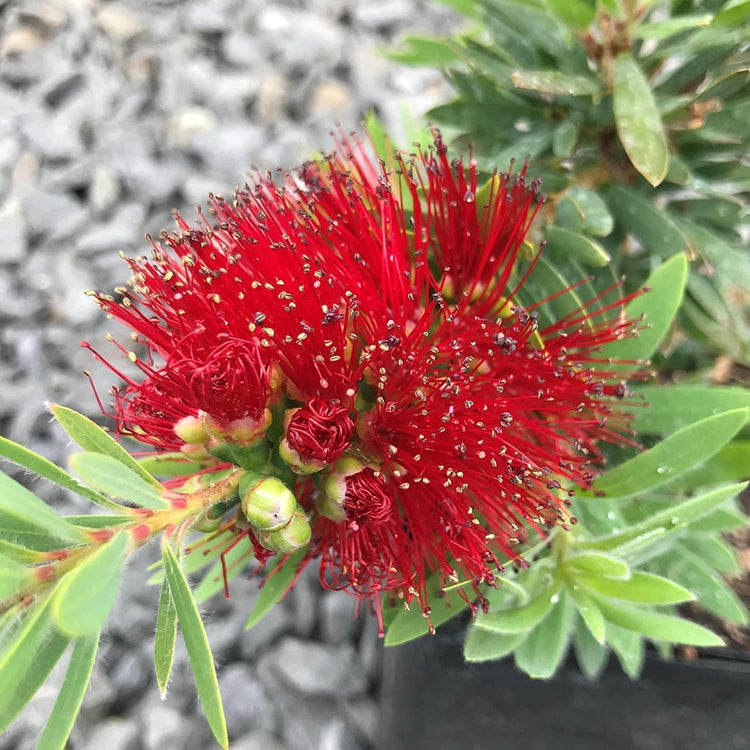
pixel 316 434
pixel 397 295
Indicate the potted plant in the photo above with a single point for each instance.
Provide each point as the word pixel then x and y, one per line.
pixel 373 369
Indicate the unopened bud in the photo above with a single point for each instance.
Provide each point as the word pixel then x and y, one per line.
pixel 295 535
pixel 245 430
pixel 195 452
pixel 191 430
pixel 297 464
pixel 268 504
pixel 330 502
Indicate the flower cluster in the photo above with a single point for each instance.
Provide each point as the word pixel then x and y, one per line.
pixel 363 325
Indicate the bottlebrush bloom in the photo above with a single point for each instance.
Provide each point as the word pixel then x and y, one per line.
pixel 354 295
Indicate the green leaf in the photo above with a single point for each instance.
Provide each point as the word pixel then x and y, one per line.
pixel 164 639
pixel 732 13
pixel 662 29
pixel 109 475
pixel 555 82
pixel 629 649
pixel 597 219
pixel 644 588
pixel 673 456
pixel 675 406
pixel 520 619
pixel 722 520
pixel 196 643
pixel 68 703
pixel 591 655
pixel 567 245
pixel 20 554
pixel 25 664
pixel 730 464
pixel 657 626
pixel 213 580
pixel 94 439
pixel 593 563
pixel 13 575
pixel 589 612
pixel 274 588
pixel 411 623
pixel 485 645
pixel 85 596
pixel 564 138
pixel 579 14
pixel 652 226
pixel 540 653
pixel 22 456
pixel 424 51
pixel 670 520
pixel 96 521
pixel 713 551
pixel 713 594
pixel 171 465
pixel 659 306
pixel 28 521
pixel 638 122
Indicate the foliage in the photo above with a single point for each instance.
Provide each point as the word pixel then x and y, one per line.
pixel 635 115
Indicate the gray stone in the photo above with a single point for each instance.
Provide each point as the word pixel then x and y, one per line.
pixel 315 669
pixel 229 149
pixel 363 714
pixel 12 239
pixel 122 231
pixel 259 638
pixel 131 674
pixel 337 736
pixel 114 734
pixel 240 49
pixel 166 727
pixel 383 14
pixel 303 601
pixel 337 622
pixel 104 189
pixel 206 17
pixel 246 705
pixel 51 137
pixel 57 215
pixel 258 741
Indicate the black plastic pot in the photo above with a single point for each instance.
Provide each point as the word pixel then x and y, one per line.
pixel 432 700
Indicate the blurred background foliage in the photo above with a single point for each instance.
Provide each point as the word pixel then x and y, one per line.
pixel 635 114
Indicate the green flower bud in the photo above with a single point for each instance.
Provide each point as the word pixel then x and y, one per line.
pixel 268 504
pixel 292 537
pixel 296 462
pixel 330 502
pixel 191 430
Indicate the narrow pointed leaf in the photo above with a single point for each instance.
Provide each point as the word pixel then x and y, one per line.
pixel 629 648
pixel 672 407
pixel 196 643
pixel 593 563
pixel 714 551
pixel 662 29
pixel 98 521
pixel 20 554
pixel 274 588
pixel 659 307
pixel 85 596
pixel 26 662
pixel 590 654
pixel 411 623
pixel 485 645
pixel 597 219
pixel 589 612
pixel 638 121
pixel 667 521
pixel 77 678
pixel 575 13
pixel 28 521
pixel 555 82
pixel 645 588
pixel 171 465
pixel 109 475
pixel 521 618
pixel 22 456
pixel 94 439
pixel 164 639
pixel 540 653
pixel 564 244
pixel 13 575
pixel 673 456
pixel 657 626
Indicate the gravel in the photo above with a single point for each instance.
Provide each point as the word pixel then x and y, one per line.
pixel 111 114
